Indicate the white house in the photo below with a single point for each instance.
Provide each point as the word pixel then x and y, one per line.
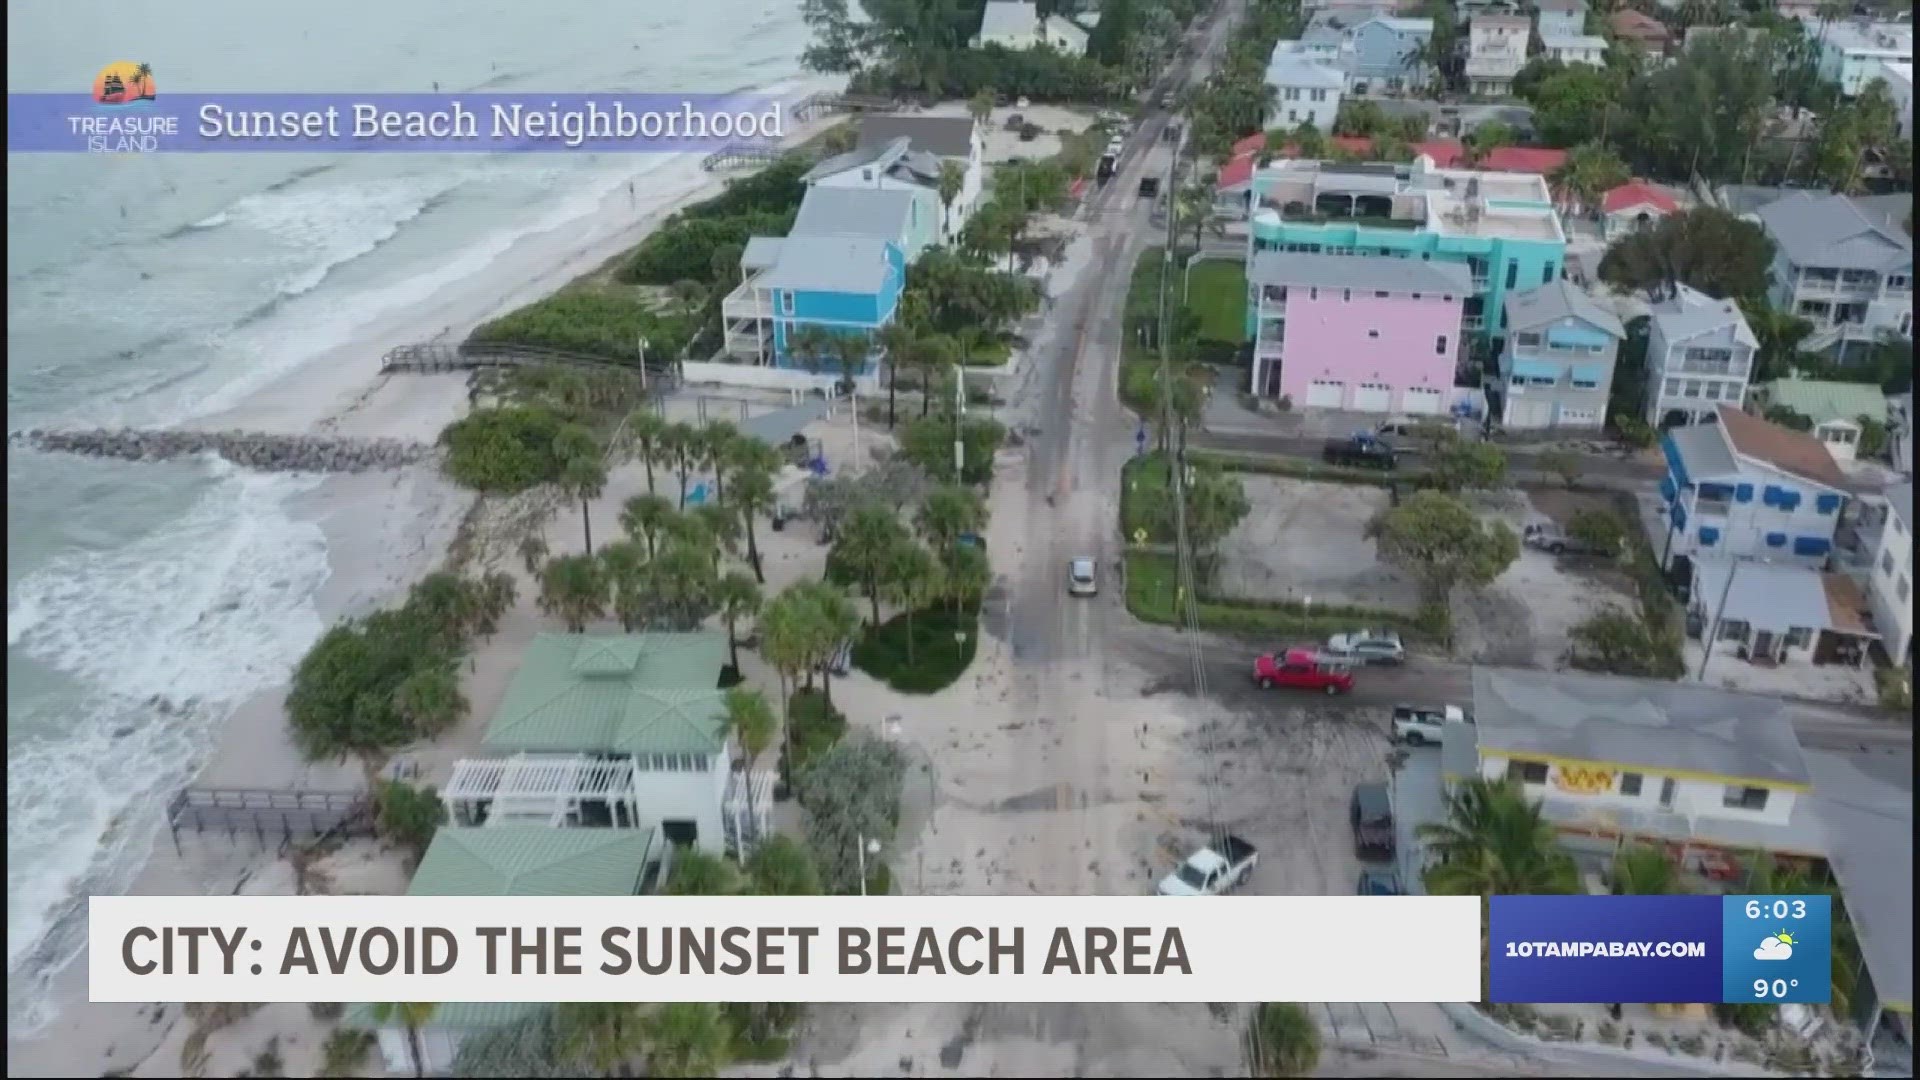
pixel 1840 269
pixel 1890 586
pixel 1698 771
pixel 1016 24
pixel 1588 49
pixel 1496 51
pixel 1898 75
pixel 1699 355
pixel 1560 18
pixel 905 153
pixel 1633 206
pixel 1854 53
pixel 1742 488
pixel 1305 92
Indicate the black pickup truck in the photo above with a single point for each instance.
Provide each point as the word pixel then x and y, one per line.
pixel 1360 451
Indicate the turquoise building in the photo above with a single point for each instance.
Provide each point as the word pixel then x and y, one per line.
pixel 1501 226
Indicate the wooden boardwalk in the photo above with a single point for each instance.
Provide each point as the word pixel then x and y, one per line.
pixel 440 357
pixel 281 817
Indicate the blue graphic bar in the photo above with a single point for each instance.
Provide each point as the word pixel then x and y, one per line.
pixel 394 123
pixel 1648 949
pixel 1552 949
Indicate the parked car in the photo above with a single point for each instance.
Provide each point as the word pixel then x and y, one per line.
pixel 1362 450
pixel 1082 578
pixel 1549 537
pixel 1303 669
pixel 1208 872
pixel 1368 646
pixel 1380 883
pixel 1371 812
pixel 1417 726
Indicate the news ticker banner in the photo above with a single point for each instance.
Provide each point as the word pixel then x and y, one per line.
pixel 78 123
pixel 779 948
pixel 1727 949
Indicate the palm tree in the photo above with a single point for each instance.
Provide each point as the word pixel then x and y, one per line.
pixel 721 525
pixel 600 1037
pixel 681 444
pixel 1590 171
pixel 936 354
pixel 687 1038
pixel 754 465
pixel 949 511
pixel 533 552
pixel 808 343
pixel 645 517
pixel 786 641
pixel 952 180
pixel 851 350
pixel 861 546
pixel 643 430
pixel 691 295
pixel 1285 1040
pixel 911 579
pixel 739 598
pixel 142 75
pixel 718 441
pixel 412 1015
pixel 1643 870
pixel 898 340
pixel 573 588
pixel 836 621
pixel 630 580
pixel 583 472
pixel 967 576
pixel 1494 841
pixel 701 873
pixel 980 106
pixel 751 720
pixel 494 596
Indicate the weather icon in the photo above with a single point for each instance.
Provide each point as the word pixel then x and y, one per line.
pixel 1777 947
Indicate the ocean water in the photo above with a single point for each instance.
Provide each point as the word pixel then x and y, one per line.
pixel 145 601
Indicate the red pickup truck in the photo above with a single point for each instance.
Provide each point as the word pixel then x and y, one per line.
pixel 1303 669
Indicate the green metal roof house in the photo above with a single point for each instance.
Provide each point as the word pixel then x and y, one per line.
pixel 513 860
pixel 1834 407
pixel 620 731
pixel 654 694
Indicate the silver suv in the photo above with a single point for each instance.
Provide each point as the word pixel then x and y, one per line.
pixel 1082 578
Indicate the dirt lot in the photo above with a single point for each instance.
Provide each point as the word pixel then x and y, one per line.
pixel 1307 540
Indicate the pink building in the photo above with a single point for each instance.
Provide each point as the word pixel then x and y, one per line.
pixel 1369 333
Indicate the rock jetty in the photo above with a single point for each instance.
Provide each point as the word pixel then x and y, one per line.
pixel 247 449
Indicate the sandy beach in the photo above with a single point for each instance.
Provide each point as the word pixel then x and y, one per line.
pixel 383 531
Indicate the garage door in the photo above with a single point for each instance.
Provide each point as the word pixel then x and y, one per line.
pixel 1523 414
pixel 1322 394
pixel 1578 418
pixel 1373 397
pixel 1421 401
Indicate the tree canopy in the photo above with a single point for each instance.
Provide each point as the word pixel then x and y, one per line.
pixel 1706 247
pixel 1442 543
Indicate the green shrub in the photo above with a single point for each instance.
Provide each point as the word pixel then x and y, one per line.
pixel 928 443
pixel 341 698
pixel 938 656
pixel 1896 688
pixel 592 321
pixel 684 249
pixel 503 449
pixel 815 727
pixel 1153 585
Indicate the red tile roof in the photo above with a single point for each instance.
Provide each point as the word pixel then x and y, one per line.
pixel 1793 451
pixel 1446 153
pixel 1638 193
pixel 1524 159
pixel 1640 27
pixel 1238 171
pixel 1254 142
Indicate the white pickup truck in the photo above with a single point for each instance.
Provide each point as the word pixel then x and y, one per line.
pixel 1416 725
pixel 1210 872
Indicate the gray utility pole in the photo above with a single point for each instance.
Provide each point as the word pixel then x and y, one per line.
pixel 1719 613
pixel 959 407
pixel 1166 343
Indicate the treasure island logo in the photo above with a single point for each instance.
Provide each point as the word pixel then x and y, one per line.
pixel 122 121
pixel 123 83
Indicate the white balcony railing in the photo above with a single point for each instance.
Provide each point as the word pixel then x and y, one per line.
pixel 748 301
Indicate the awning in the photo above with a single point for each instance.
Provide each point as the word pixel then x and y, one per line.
pixel 1590 373
pixel 1535 369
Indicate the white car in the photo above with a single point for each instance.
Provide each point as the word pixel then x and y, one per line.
pixel 1368 646
pixel 1082 578
pixel 1417 726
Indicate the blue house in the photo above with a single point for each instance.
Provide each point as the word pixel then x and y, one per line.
pixel 843 285
pixel 840 270
pixel 1740 488
pixel 1388 54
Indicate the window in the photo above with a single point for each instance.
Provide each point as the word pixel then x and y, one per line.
pixel 1713 391
pixel 1313 294
pixel 1733 630
pixel 1527 339
pixel 1373 333
pixel 1527 772
pixel 1745 798
pixel 1693 388
pixel 1886 562
pixel 1346 295
pixel 1900 588
pixel 1799 637
pixel 1513 272
pixel 1546 274
pixel 1672 388
pixel 1380 294
pixel 1630 783
pixel 1440 345
pixel 1416 296
pixel 786 303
